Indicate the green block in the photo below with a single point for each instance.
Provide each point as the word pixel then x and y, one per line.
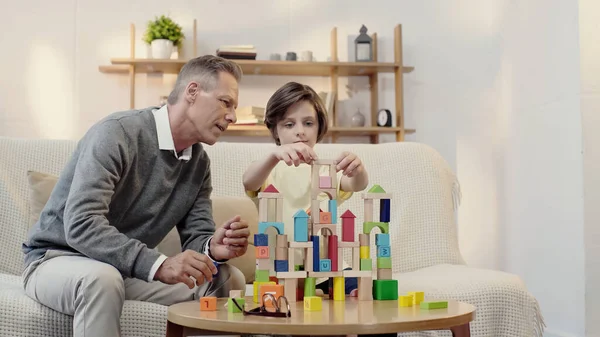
pixel 385 290
pixel 434 305
pixel 232 308
pixel 384 262
pixel 366 264
pixel 261 275
pixel 310 286
pixel 384 227
pixel 376 189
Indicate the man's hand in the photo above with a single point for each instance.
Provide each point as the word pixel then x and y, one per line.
pixel 349 163
pixel 180 267
pixel 231 240
pixel 295 154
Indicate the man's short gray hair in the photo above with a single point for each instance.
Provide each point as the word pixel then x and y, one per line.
pixel 204 70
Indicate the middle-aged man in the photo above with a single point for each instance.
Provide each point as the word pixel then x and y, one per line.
pixel 132 178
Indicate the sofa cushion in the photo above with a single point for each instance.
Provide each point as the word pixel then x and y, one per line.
pixel 224 208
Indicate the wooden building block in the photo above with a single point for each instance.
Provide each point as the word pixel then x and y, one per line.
pixel 261 240
pixel 340 259
pixel 323 162
pixel 382 239
pixel 291 274
pixel 235 293
pixel 325 274
pixel 384 262
pixel 324 229
pixel 261 275
pixel 324 182
pixel 365 289
pixel 262 252
pixel 366 264
pixel 384 251
pixel 315 253
pixel 273 279
pixel 376 196
pixel 232 308
pixel 309 259
pixel 331 193
pixel 290 287
pixel 281 265
pixel 363 239
pixel 325 265
pixel 300 226
pixel 356 258
pixel 263 210
pixel 315 210
pixel 434 305
pixel 293 244
pixel 339 288
pixel 279 211
pixel 332 208
pixel 365 252
pixel 299 294
pixel 312 303
pixel 208 303
pixel 310 286
pixel 332 251
pixel 385 290
pixel 384 274
pixel 281 240
pixel 263 264
pixel 358 273
pixel 263 226
pixel 418 297
pixel 368 226
pixel 384 210
pixel 325 217
pixel 405 301
pixel 256 286
pixel 368 210
pixel 274 289
pixel 348 244
pixel 281 253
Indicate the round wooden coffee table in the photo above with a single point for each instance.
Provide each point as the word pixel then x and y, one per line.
pixel 349 317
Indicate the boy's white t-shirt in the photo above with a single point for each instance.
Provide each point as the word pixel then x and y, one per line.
pixel 294 184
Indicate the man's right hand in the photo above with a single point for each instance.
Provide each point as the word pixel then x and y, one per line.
pixel 295 154
pixel 180 267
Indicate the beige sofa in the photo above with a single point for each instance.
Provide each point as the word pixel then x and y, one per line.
pixel 425 252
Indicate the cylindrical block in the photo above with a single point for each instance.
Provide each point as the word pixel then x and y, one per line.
pixel 363 239
pixel 281 240
pixel 365 252
pixel 281 253
pixel 310 286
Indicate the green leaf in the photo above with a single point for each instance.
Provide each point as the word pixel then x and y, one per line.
pixel 163 27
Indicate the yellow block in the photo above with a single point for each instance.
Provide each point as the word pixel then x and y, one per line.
pixel 405 301
pixel 256 288
pixel 339 293
pixel 312 303
pixel 418 297
pixel 364 252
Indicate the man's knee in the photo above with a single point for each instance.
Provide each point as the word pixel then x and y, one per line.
pixel 104 281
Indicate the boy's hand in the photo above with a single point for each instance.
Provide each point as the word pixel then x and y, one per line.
pixel 295 153
pixel 349 163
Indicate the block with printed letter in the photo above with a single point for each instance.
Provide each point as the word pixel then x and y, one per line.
pixel 208 303
pixel 313 303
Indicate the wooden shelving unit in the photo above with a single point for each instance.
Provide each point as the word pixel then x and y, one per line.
pixel 333 69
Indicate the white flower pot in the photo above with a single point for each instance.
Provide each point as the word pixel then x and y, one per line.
pixel 161 48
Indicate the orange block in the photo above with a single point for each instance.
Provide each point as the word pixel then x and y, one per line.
pixel 262 252
pixel 325 217
pixel 274 289
pixel 208 303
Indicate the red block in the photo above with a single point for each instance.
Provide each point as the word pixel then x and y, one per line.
pixel 332 252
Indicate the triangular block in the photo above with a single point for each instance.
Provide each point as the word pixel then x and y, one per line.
pixel 376 189
pixel 300 214
pixel 271 189
pixel 348 214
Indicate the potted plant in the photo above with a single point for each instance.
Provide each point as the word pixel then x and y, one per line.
pixel 163 34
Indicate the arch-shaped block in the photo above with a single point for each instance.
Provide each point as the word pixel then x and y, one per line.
pixel 262 227
pixel 384 227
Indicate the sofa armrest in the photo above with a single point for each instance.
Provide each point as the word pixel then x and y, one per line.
pixel 224 208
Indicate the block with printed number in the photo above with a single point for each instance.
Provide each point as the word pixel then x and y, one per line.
pixel 208 303
pixel 313 303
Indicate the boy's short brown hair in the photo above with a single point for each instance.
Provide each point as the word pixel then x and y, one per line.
pixel 288 95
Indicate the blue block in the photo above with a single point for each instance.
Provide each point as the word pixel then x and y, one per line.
pixel 325 265
pixel 333 210
pixel 384 251
pixel 384 210
pixel 262 227
pixel 281 265
pixel 261 240
pixel 382 239
pixel 316 252
pixel 301 229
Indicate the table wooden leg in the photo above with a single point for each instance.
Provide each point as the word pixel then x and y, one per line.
pixel 461 331
pixel 174 330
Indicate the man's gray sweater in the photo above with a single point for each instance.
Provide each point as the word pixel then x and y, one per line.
pixel 119 196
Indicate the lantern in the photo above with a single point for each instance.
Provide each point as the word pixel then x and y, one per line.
pixel 363 45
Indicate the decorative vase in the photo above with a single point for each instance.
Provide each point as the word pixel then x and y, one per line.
pixel 161 48
pixel 358 119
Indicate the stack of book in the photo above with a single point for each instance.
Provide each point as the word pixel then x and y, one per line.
pixel 250 115
pixel 237 52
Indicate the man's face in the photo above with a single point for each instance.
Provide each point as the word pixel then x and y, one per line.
pixel 212 112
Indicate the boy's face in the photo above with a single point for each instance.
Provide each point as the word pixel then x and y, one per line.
pixel 300 124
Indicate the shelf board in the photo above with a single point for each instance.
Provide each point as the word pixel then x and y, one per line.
pixel 260 67
pixel 260 130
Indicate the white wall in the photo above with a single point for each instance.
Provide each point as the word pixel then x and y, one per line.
pixel 496 89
